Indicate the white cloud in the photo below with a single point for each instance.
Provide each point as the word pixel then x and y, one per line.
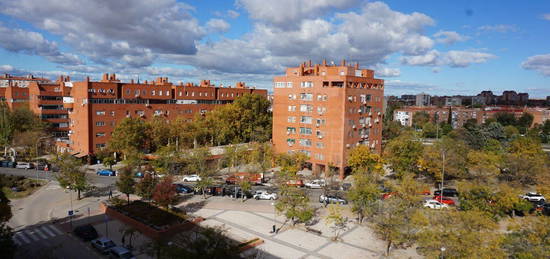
pixel 453 58
pixel 449 37
pixel 288 14
pixel 233 14
pixel 217 25
pixel 387 72
pixel 33 43
pixel 546 16
pixel 502 28
pixel 113 31
pixel 458 58
pixel 539 63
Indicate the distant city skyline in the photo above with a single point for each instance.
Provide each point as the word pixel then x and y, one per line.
pixel 437 47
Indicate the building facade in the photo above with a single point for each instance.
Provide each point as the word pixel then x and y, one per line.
pixel 423 99
pixel 325 110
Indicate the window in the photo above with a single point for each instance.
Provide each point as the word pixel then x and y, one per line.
pixel 306 97
pixel 325 97
pixel 100 134
pixel 320 122
pixel 306 119
pixel 100 113
pixel 140 113
pixel 205 94
pixel 200 93
pixel 290 130
pixel 153 92
pixel 160 93
pixel 318 133
pixel 280 84
pixel 320 145
pixel 112 113
pixel 306 108
pixel 305 131
pixel 305 142
pixel 288 84
pixel 291 119
pixel 100 123
pixel 291 141
pixel 100 145
pixel 292 97
pixel 180 93
pixel 167 93
pixel 321 110
pixel 307 84
pixel 319 156
pixel 292 108
pixel 136 92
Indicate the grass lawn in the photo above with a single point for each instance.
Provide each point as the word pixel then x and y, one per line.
pixel 27 187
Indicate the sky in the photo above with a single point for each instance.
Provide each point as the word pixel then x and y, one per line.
pixel 433 46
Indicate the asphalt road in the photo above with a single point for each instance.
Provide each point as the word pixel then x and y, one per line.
pixel 94 179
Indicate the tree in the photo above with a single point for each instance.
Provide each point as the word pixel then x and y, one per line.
pixel 146 186
pixel 446 153
pixel 391 130
pixel 524 122
pixel 496 200
pixel 6 126
pixel 525 161
pixel 403 154
pixel 71 174
pixel 429 130
pixel 336 220
pixel 506 118
pixel 7 246
pixel 361 159
pixel 165 192
pixel 294 204
pixel 126 183
pixel 202 243
pixel 463 234
pixel 391 222
pixel 511 132
pixel 363 194
pixel 244 184
pixel 528 238
pixel 130 135
pixel 260 155
pixel 483 165
pixel 197 163
pixel 420 118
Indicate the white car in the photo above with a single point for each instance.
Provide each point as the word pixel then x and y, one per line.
pixel 316 184
pixel 191 178
pixel 23 165
pixel 265 195
pixel 533 196
pixel 433 204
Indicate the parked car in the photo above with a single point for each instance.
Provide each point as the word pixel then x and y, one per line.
pixel 533 196
pixel 449 192
pixel 316 184
pixel 255 179
pixel 298 183
pixel 11 164
pixel 23 165
pixel 180 188
pixel 237 193
pixel 106 172
pixel 191 178
pixel 433 204
pixel 120 252
pixel 264 195
pixel 41 166
pixel 444 199
pixel 546 209
pixel 333 199
pixel 86 232
pixel 103 244
pixel 4 163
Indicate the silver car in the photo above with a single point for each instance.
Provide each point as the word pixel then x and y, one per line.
pixel 103 244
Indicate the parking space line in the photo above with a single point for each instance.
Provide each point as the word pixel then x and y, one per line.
pixel 40 233
pixel 45 229
pixel 21 235
pixel 31 234
pixel 55 229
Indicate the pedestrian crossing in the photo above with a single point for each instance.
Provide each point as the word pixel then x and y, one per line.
pixel 27 236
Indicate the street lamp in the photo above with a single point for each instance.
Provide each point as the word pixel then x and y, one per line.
pixel 36 150
pixel 442 251
pixel 274 213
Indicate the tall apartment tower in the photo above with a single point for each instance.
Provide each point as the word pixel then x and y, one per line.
pixel 325 110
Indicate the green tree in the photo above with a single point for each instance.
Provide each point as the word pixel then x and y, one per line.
pixel 201 243
pixel 483 166
pixel 71 174
pixel 528 238
pixel 130 136
pixel 463 234
pixel 429 130
pixel 391 129
pixel 391 223
pixel 293 203
pixel 525 161
pixel 159 131
pixel 146 186
pixel 336 220
pixel 404 153
pixel 506 118
pixel 420 118
pixel 511 132
pixel 446 153
pixel 7 246
pixel 197 163
pixel 6 126
pixel 524 122
pixel 126 183
pixel 363 195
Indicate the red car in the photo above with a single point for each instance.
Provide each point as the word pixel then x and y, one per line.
pixel 445 200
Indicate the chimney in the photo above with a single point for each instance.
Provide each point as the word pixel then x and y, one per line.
pixel 356 65
pixel 343 63
pixel 131 81
pixel 105 77
pixel 324 62
pixel 87 79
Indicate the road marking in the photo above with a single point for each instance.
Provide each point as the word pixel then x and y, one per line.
pixel 40 233
pixel 55 229
pixel 47 231
pixel 31 234
pixel 22 236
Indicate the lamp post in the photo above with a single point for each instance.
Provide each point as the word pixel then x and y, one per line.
pixel 36 150
pixel 274 213
pixel 442 176
pixel 442 252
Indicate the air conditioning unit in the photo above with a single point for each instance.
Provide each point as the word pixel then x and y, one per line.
pixel 379 113
pixel 370 125
pixel 376 121
pixel 288 132
pixel 370 113
pixel 372 146
pixel 320 136
pixel 353 127
pixel 317 124
pixel 347 145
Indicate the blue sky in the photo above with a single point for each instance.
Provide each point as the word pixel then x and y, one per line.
pixel 439 47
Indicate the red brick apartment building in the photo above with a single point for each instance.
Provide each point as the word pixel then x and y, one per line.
pixel 459 115
pixel 84 114
pixel 325 110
